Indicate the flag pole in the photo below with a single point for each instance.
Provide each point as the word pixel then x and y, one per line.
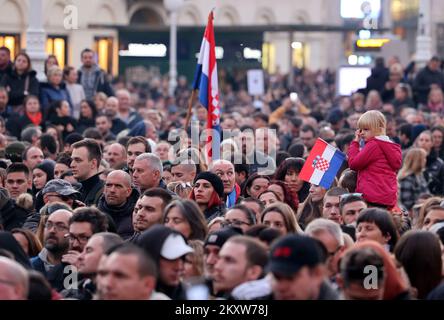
pixel 190 108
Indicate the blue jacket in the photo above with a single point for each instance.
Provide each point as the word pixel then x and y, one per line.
pixel 50 94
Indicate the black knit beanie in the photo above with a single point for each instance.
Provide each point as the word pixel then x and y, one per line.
pixel 214 179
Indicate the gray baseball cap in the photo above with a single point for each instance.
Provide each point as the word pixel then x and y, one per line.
pixel 59 186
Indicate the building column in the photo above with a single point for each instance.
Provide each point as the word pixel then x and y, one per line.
pixel 36 38
pixel 424 38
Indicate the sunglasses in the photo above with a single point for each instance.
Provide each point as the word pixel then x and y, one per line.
pixel 348 195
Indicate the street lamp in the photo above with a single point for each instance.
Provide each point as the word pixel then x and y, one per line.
pixel 173 7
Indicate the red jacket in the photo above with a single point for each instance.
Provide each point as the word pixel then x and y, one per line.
pixel 377 164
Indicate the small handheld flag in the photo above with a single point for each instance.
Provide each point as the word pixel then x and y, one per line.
pixel 206 81
pixel 322 164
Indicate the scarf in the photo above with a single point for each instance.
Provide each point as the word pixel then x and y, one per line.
pixel 233 196
pixel 35 119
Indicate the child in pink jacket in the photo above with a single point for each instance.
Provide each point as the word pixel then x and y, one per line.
pixel 376 159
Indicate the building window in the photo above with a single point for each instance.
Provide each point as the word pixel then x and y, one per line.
pixel 269 57
pixel 57 46
pixel 299 52
pixel 12 42
pixel 104 48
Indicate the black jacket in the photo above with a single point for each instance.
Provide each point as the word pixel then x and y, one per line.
pixel 214 212
pixel 85 123
pixel 6 71
pixel 123 215
pixel 434 173
pixel 54 119
pixel 8 242
pixel 16 124
pixel 117 126
pixel 423 80
pixel 12 216
pixel 91 190
pixel 16 86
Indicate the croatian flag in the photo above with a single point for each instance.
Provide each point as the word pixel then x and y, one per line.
pixel 322 164
pixel 206 81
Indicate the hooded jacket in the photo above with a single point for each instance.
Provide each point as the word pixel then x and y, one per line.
pixel 121 215
pixel 377 164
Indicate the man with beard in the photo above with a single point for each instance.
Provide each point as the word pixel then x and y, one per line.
pixel 118 201
pixel 49 260
pixel 149 209
pixel 82 225
pixel 88 263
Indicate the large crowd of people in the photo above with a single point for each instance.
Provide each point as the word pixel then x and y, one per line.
pixel 105 195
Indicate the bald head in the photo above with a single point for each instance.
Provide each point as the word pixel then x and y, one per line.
pixel 14 280
pixel 124 98
pixel 117 188
pixel 120 175
pixel 116 155
pixel 111 106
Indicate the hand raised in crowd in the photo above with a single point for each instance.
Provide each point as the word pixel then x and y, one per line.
pixel 71 258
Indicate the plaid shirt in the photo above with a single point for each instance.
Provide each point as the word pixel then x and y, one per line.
pixel 411 187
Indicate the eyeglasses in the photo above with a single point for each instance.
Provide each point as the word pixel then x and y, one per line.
pixel 347 195
pixel 58 226
pixel 81 239
pixel 236 223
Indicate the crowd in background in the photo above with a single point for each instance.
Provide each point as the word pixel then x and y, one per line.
pixel 91 179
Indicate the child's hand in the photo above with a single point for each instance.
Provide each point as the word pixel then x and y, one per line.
pixel 357 135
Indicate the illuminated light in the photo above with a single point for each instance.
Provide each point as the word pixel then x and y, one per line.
pixel 365 34
pixel 219 52
pixel 144 50
pixel 9 42
pixel 353 60
pixel 371 43
pixel 296 45
pixel 352 9
pixel 252 53
pixel 103 54
pixel 361 60
pixel 59 51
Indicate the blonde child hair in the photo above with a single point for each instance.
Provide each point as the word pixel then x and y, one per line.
pixel 373 120
pixel 414 163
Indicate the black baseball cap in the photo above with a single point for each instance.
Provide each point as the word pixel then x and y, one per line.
pixel 292 252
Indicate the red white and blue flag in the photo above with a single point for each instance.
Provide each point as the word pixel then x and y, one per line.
pixel 322 164
pixel 206 81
